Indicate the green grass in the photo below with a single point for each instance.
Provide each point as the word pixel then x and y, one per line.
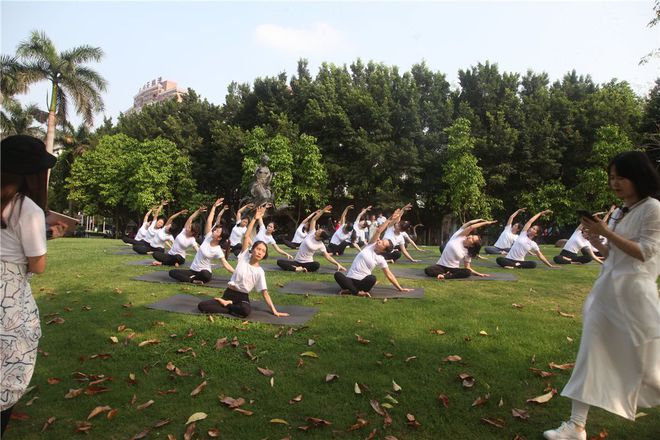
pixel 82 272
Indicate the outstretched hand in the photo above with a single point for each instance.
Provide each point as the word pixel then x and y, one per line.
pixel 218 202
pixel 259 214
pixel 594 227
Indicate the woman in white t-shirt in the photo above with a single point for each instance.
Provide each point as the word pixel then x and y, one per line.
pixel 515 258
pixel 343 236
pixel 238 231
pixel 200 268
pixel 176 256
pixel 507 237
pixel 460 249
pixel 359 280
pixel 265 234
pixel 25 165
pixel 304 259
pixel 247 277
pixel 576 243
pixel 301 232
pixel 145 245
pixel 141 233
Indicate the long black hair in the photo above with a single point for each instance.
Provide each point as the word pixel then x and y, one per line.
pixel 636 167
pixel 18 186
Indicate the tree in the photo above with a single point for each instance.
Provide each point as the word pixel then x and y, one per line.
pixel 654 21
pixel 462 175
pixel 17 119
pixel 70 79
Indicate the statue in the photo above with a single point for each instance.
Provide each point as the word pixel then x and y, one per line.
pixel 260 188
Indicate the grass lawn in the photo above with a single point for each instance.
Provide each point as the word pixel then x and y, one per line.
pixel 92 292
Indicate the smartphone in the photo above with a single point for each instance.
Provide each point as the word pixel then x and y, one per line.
pixel 583 213
pixel 54 217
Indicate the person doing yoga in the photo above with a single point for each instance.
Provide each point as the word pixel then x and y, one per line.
pixel 247 277
pixel 461 248
pixel 576 243
pixel 301 232
pixel 265 234
pixel 343 236
pixel 507 237
pixel 144 245
pixel 186 238
pixel 200 269
pixel 163 236
pixel 361 228
pixel 238 231
pixel 359 280
pixel 141 233
pixel 396 234
pixel 515 258
pixel 304 259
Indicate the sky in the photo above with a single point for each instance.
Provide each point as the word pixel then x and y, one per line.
pixel 207 45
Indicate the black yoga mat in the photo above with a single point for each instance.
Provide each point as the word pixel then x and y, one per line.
pixel 127 251
pixel 148 263
pixel 330 288
pixel 274 267
pixel 161 276
pixel 494 265
pixel 418 274
pixel 298 315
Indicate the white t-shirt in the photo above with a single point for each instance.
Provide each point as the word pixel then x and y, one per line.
pixel 340 236
pixel 309 246
pixel 246 277
pixel 576 242
pixel 300 235
pixel 262 236
pixel 454 253
pixel 396 239
pixel 380 220
pixel 506 239
pixel 141 234
pixel 360 233
pixel 456 234
pixel 365 262
pixel 160 237
pixel 25 235
pixel 237 234
pixel 205 254
pixel 521 247
pixel 181 243
pixel 151 232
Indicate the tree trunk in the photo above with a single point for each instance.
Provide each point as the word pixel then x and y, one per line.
pixel 52 121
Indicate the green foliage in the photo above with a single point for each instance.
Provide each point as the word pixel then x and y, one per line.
pixel 554 196
pixel 462 175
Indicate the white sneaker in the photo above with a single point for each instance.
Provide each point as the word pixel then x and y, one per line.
pixel 566 431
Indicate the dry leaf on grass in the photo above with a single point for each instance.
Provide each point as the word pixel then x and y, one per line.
pixel 601 435
pixel 561 366
pixel 266 372
pixel 410 358
pixel 359 424
pixel 56 320
pixel 196 417
pixel 565 315
pixel 141 435
pixel 296 399
pixel 198 389
pixel 145 405
pixel 73 393
pixel 220 343
pixel 498 423
pixel 517 306
pixel 376 407
pixel 467 380
pixel 437 332
pixel 213 433
pixel 520 414
pixel 453 358
pixel 395 386
pixel 112 413
pixel 481 401
pixel 98 410
pixel 190 431
pixel 53 380
pixel 245 412
pixel 231 402
pixel 543 398
pixel 541 373
pixel 31 401
pixel 149 342
pixel 331 376
pixel 83 427
pixel 444 400
pixel 163 392
pixel 94 390
pixel 279 421
pixel 411 421
pixel 309 354
pixel 47 424
pixel 361 340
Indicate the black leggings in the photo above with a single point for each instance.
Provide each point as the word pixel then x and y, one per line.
pixel 292 264
pixel 492 250
pixel 337 249
pixel 355 286
pixel 572 257
pixel 236 249
pixel 448 272
pixel 143 247
pixel 129 240
pixel 188 276
pixel 507 262
pixel 394 254
pixel 168 259
pixel 291 244
pixel 240 304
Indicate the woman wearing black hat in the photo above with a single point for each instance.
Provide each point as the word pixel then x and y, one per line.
pixel 25 165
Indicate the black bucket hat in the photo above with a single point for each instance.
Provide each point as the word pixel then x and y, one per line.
pixel 23 155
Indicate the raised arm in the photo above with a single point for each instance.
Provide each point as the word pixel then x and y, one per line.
pixel 342 219
pixel 218 218
pixel 317 215
pixel 396 215
pixel 146 216
pixel 258 215
pixel 192 218
pixel 474 226
pixel 531 221
pixel 358 219
pixel 160 208
pixel 169 221
pixel 471 222
pixel 239 214
pixel 513 216
pixel 211 217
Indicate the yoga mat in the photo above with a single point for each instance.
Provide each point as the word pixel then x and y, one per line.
pixel 127 251
pixel 418 274
pixel 298 315
pixel 345 260
pixel 275 268
pixel 494 265
pixel 161 276
pixel 330 288
pixel 148 263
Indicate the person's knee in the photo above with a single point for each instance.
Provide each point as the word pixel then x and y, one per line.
pixel 501 261
pixel 560 260
pixel 314 266
pixel 283 264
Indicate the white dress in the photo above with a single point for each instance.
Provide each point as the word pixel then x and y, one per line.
pixel 618 363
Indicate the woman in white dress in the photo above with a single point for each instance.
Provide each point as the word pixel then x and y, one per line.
pixel 618 363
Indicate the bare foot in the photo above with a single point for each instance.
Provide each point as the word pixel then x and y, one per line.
pixel 224 302
pixel 198 282
pixel 344 292
pixel 364 294
pixel 156 263
pixel 440 277
pixel 301 269
pixel 176 264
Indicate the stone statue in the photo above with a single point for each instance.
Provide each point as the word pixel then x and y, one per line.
pixel 260 188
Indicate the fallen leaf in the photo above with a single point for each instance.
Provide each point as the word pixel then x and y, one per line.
pixel 162 423
pixel 127 305
pixel 112 413
pixel 467 380
pixel 73 393
pixel 141 435
pixel 149 342
pixel 392 399
pixel 480 401
pixel 437 332
pixel 541 373
pixel 296 399
pixel 86 308
pixel 31 401
pixel 498 423
pixel 47 424
pixel 483 333
pixel 220 343
pixel 98 410
pixel 361 340
pixel 442 398
pixel 386 405
pixel 300 363
pixel 94 390
pixel 114 339
pixel 396 387
pixel 500 403
pixel 601 435
pixel 309 354
pixel 331 376
pixel 190 431
pixel 569 339
pixel 376 406
pixel 543 398
pixel 57 320
pixel 356 389
pixel 245 412
pixel 101 356
pixel 83 426
pixel 388 355
pixel 213 433
pixel 131 379
pixel 566 315
pixel 561 366
pixel 231 402
pixel 517 306
pixel 53 380
pixel 453 358
pixel 15 415
pixel 198 389
pixel 272 381
pixel 266 372
pixel 196 417
pixel 411 421
pixel 279 421
pixel 359 424
pixel 410 358
pixel 163 392
pixel 520 414
pixel 145 405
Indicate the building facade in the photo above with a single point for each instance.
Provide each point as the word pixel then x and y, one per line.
pixel 157 91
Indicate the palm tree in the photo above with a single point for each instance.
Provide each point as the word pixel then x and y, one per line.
pixel 69 78
pixel 16 119
pixel 12 79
